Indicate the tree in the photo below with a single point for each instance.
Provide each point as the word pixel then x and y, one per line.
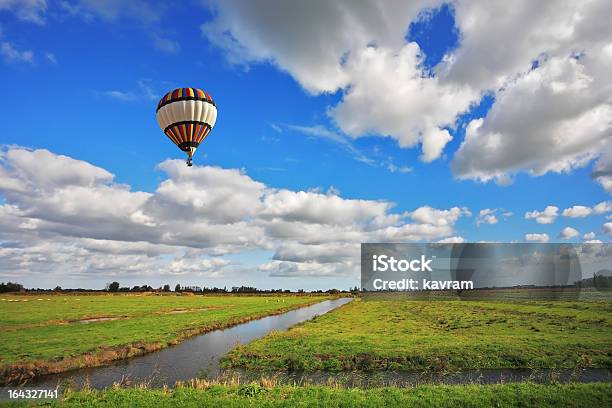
pixel 177 288
pixel 10 287
pixel 113 286
pixel 166 288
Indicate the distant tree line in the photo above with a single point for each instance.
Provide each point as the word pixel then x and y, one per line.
pixel 597 281
pixel 115 287
pixel 246 289
pixel 11 287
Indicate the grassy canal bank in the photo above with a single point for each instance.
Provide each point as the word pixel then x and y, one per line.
pixel 439 335
pixel 255 395
pixel 54 333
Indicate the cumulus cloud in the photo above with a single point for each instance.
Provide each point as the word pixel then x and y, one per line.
pixel 415 108
pixel 554 118
pixel 550 116
pixel 547 27
pixel 607 228
pixel 486 218
pixel 579 211
pixel 603 207
pixel 66 216
pixel 589 236
pixel 568 233
pixel 543 238
pixel 310 41
pixel 433 216
pixel 551 110
pixel 491 215
pixel 548 216
pixel 602 170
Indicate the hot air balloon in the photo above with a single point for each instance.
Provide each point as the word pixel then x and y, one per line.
pixel 187 116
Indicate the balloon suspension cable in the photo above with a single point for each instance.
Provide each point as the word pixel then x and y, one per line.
pixel 189 162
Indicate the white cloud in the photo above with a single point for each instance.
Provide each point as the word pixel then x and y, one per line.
pixel 546 27
pixel 309 40
pixel 12 54
pixel 120 95
pixel 602 170
pixel 577 211
pixel 568 233
pixel 32 11
pixel 543 238
pixel 547 216
pixel 452 240
pixel 166 45
pixel 414 109
pixel 114 10
pixel 310 268
pixel 433 216
pixel 145 90
pixel 359 49
pixel 399 169
pixel 346 144
pixel 41 169
pixel 603 207
pixel 75 220
pixel 490 215
pixel 192 264
pixel 326 134
pixel 553 116
pixel 322 209
pixel 589 236
pixel 607 228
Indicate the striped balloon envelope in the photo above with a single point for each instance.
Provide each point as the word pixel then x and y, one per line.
pixel 187 116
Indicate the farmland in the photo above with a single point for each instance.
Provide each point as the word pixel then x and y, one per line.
pixel 53 333
pixel 440 335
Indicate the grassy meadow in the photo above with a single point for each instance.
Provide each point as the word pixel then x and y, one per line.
pixel 254 395
pixel 439 335
pixel 52 333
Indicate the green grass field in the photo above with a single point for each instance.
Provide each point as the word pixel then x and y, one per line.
pixel 253 395
pixel 440 335
pixel 49 335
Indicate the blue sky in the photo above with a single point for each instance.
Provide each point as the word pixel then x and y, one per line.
pixel 83 81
